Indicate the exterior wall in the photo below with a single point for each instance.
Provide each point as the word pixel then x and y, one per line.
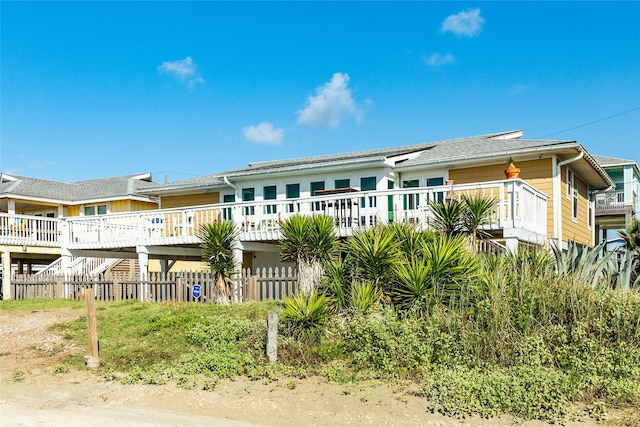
pixel 154 266
pixel 72 211
pixel 43 209
pixel 577 230
pixel 422 176
pixel 118 206
pixel 380 173
pixel 168 202
pixel 535 172
pixel 137 205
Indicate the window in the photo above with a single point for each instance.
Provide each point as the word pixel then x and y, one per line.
pixel 316 186
pixel 570 183
pixel 590 211
pixel 342 183
pixel 411 201
pixel 227 212
pixel 390 185
pixel 574 202
pixel 229 198
pixel 434 182
pixel 293 191
pixel 248 194
pixel 95 210
pixel 269 192
pixel 368 183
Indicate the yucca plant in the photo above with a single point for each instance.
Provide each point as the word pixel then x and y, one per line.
pixel 364 297
pixel 371 255
pixel 309 242
pixel 478 212
pixel 449 216
pixel 218 240
pixel 446 266
pixel 305 316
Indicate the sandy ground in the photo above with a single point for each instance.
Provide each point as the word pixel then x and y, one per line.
pixel 31 394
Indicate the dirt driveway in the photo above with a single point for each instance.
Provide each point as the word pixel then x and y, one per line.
pixel 32 394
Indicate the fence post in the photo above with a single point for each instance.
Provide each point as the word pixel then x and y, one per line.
pixel 93 359
pixel 272 337
pixel 254 283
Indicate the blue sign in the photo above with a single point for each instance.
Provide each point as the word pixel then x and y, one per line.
pixel 195 291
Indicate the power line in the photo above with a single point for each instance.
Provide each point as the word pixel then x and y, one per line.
pixel 590 123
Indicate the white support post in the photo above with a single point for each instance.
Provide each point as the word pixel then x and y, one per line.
pixel 6 273
pixel 65 253
pixel 512 244
pixel 237 260
pixel 11 207
pixel 143 261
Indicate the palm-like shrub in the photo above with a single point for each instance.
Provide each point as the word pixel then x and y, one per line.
pixel 364 297
pixel 218 240
pixel 449 216
pixel 371 255
pixel 440 275
pixel 479 212
pixel 305 316
pixel 309 242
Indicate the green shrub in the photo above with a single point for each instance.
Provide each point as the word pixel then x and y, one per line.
pixel 305 317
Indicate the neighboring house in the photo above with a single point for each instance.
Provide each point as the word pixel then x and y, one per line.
pixel 30 208
pixel 616 207
pixel 550 201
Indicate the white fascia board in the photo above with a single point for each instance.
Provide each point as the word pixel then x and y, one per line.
pixel 195 189
pixel 112 199
pixel 18 197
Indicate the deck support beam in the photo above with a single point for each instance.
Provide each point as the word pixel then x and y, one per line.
pixel 143 261
pixel 6 273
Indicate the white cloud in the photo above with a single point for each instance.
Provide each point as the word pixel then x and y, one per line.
pixel 332 101
pixel 183 70
pixel 436 59
pixel 466 23
pixel 264 133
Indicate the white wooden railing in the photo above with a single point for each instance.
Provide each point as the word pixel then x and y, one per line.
pixel 29 230
pixel 519 206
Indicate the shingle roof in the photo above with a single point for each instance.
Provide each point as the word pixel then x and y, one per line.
pixel 104 188
pixel 610 161
pixel 479 147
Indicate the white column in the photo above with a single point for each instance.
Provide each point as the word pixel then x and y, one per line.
pixel 512 244
pixel 11 207
pixel 143 261
pixel 6 273
pixel 237 260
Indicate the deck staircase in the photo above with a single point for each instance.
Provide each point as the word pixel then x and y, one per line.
pixel 88 266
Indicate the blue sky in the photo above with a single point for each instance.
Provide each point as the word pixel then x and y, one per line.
pixel 98 89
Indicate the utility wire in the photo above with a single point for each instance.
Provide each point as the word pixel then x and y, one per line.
pixel 590 123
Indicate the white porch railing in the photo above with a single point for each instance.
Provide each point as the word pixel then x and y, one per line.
pixel 29 230
pixel 519 206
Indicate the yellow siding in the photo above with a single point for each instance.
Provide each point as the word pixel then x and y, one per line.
pixel 577 230
pixel 538 173
pixel 169 202
pixel 154 266
pixel 119 206
pixel 143 206
pixel 72 211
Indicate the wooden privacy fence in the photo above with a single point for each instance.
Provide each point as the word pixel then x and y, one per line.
pixel 259 285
